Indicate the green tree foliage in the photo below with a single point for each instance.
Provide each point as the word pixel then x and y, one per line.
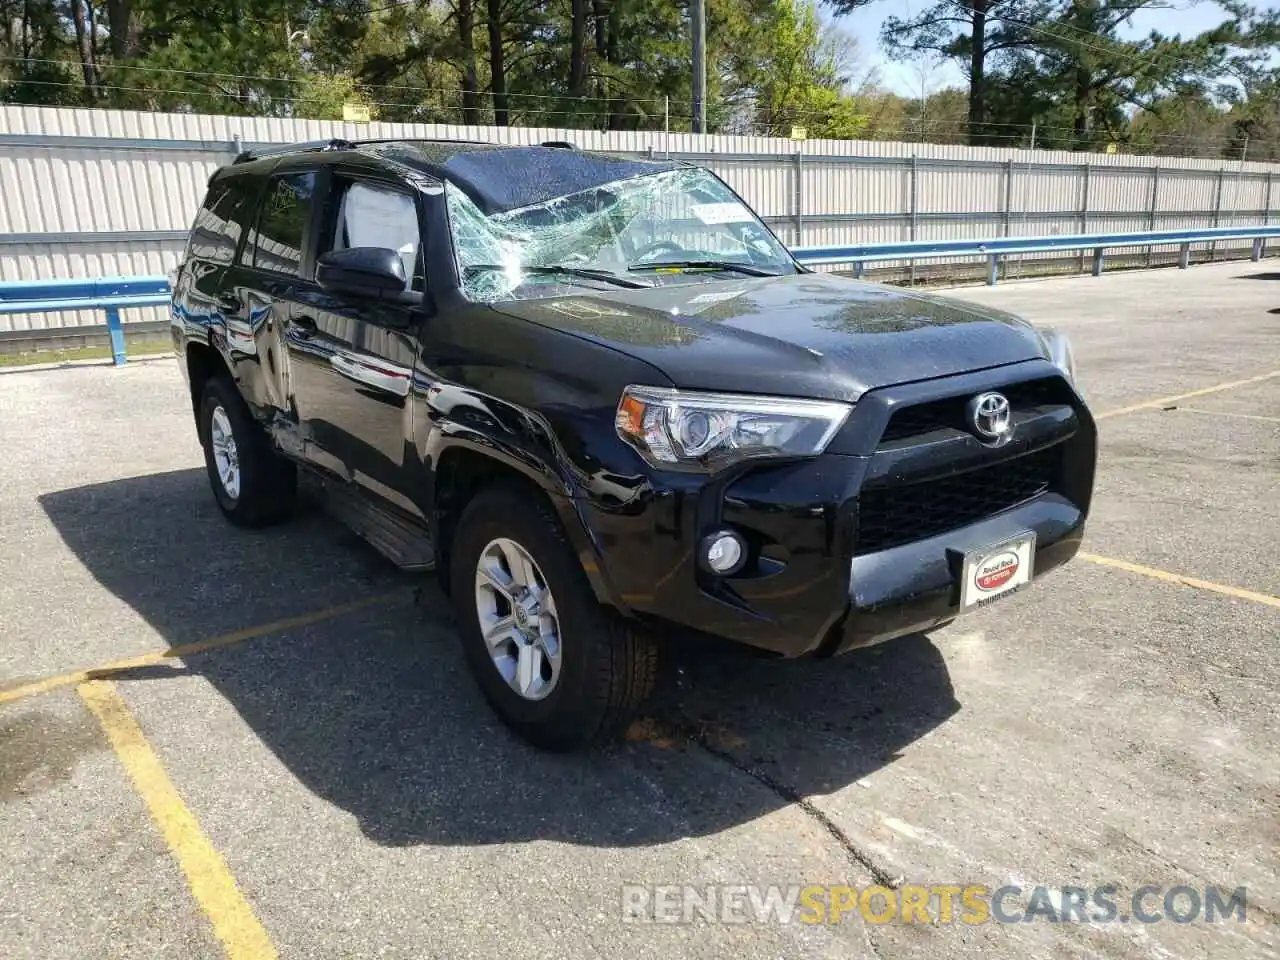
pixel 1063 74
pixel 786 74
pixel 1074 71
pixel 606 64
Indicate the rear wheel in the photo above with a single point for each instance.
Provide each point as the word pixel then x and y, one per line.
pixel 253 485
pixel 558 668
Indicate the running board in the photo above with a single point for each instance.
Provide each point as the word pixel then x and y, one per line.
pixel 399 538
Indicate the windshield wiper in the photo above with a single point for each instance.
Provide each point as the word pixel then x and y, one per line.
pixel 705 265
pixel 563 271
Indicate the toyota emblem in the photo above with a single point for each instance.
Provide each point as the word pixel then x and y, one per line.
pixel 990 416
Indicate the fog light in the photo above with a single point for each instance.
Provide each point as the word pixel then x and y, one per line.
pixel 723 552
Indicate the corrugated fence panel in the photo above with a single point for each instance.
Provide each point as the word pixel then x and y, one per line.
pixel 83 189
pixel 843 187
pixel 1047 189
pixel 955 188
pixel 1181 190
pixel 1244 192
pixel 92 192
pixel 1119 191
pixel 765 186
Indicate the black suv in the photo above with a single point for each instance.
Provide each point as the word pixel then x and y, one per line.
pixel 609 407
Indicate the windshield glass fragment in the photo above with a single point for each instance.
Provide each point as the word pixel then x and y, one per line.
pixel 677 226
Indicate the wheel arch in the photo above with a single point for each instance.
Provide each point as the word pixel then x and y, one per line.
pixel 203 363
pixel 463 469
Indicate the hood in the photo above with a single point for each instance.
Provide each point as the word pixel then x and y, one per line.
pixel 812 335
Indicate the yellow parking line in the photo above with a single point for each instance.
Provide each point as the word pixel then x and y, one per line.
pixel 189 649
pixel 215 889
pixel 1165 401
pixel 1228 413
pixel 1178 578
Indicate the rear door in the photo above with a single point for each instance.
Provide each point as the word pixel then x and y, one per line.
pixel 271 281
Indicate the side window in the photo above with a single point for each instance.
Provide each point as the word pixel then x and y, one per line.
pixel 276 243
pixel 376 216
pixel 216 232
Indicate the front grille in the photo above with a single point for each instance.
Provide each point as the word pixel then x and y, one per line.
pixel 949 412
pixel 891 516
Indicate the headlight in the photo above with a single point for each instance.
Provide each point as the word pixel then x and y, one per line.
pixel 1060 352
pixel 679 429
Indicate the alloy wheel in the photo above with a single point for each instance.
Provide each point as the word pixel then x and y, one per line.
pixel 518 618
pixel 225 456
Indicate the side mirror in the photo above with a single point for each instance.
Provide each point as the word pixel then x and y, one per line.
pixel 376 272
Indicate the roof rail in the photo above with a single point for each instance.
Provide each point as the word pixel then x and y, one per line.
pixel 361 143
pixel 311 146
pixel 560 144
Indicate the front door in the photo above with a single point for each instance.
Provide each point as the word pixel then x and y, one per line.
pixel 355 356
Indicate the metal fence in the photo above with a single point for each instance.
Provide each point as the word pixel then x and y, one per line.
pixel 91 193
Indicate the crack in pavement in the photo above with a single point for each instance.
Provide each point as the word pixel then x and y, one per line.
pixel 864 860
pixel 663 732
pixel 881 876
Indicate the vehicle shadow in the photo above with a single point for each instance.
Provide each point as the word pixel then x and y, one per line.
pixel 376 714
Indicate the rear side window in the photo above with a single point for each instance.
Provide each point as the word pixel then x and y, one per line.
pixel 220 222
pixel 276 243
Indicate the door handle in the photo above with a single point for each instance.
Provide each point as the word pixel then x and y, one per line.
pixel 228 304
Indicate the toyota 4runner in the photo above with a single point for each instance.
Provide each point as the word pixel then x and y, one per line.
pixel 601 399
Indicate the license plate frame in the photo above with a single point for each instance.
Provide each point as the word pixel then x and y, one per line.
pixel 982 572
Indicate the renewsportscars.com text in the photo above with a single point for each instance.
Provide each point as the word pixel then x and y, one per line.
pixel 932 904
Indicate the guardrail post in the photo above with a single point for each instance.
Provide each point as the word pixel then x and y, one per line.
pixel 1257 249
pixel 1097 261
pixel 993 269
pixel 857 269
pixel 116 332
pixel 1184 256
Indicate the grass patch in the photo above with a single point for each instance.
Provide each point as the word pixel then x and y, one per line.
pixel 22 359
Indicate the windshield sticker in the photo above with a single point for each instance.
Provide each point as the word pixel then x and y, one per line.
pixel 717 213
pixel 716 297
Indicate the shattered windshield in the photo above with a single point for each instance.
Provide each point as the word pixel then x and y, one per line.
pixel 677 226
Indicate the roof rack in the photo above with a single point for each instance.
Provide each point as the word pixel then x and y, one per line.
pixel 311 146
pixel 360 143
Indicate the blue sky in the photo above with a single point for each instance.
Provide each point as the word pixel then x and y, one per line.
pixel 1181 16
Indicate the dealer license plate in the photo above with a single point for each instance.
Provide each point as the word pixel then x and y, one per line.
pixel 996 571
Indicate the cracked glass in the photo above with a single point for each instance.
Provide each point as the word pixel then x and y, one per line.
pixel 676 226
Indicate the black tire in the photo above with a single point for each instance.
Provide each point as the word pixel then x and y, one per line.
pixel 608 665
pixel 268 481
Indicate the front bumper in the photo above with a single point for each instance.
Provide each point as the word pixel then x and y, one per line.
pixel 916 586
pixel 863 544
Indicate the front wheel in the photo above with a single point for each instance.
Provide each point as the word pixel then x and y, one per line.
pixel 559 669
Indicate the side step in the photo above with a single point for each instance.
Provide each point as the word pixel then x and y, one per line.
pixel 399 538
